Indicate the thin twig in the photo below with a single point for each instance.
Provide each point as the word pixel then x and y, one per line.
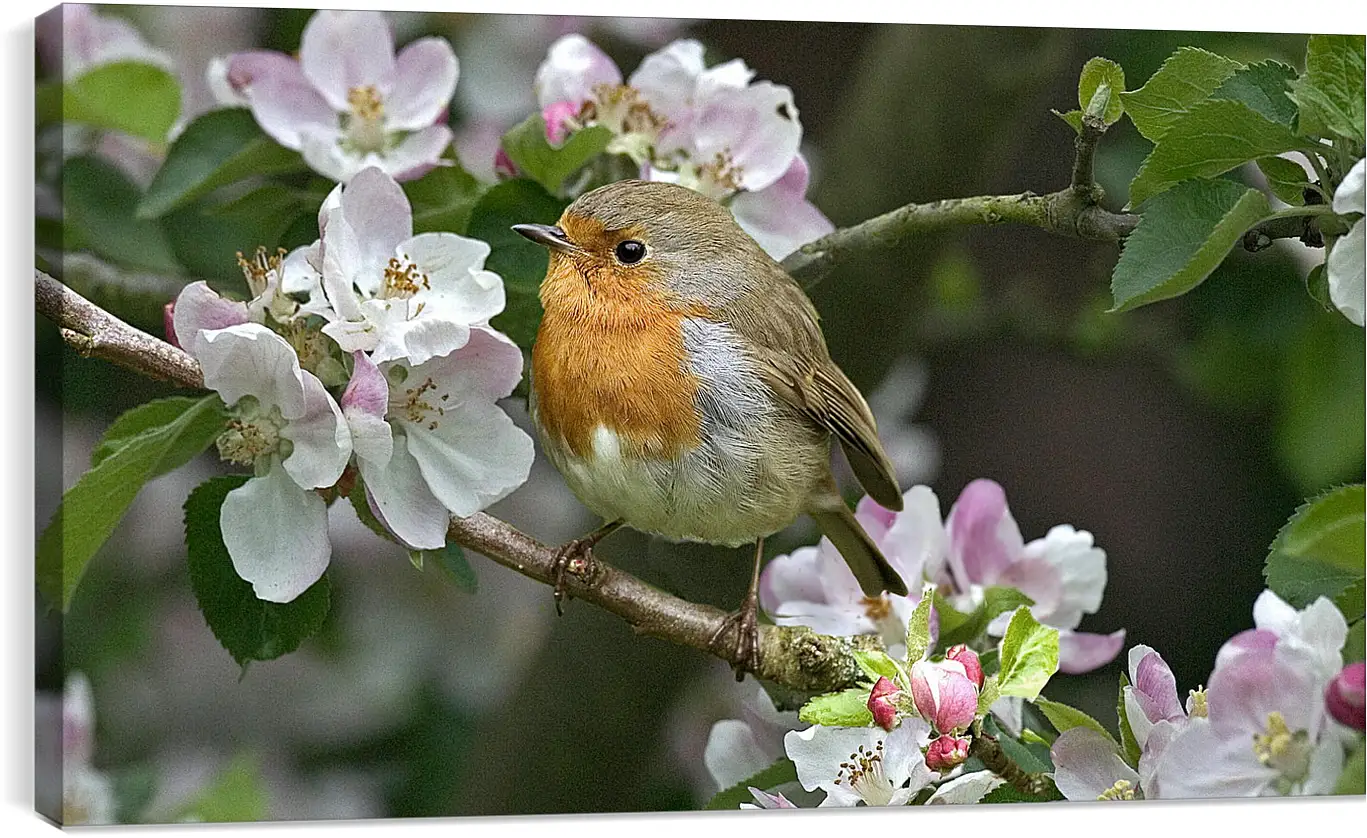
pixel 795 658
pixel 986 748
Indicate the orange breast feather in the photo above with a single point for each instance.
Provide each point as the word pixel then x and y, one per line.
pixel 610 352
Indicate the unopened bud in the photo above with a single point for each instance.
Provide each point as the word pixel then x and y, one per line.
pixel 882 703
pixel 973 668
pixel 944 695
pixel 559 119
pixel 946 752
pixel 1344 695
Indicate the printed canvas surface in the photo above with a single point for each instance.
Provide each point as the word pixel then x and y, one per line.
pixel 461 414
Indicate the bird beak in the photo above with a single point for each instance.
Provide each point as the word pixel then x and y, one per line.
pixel 547 236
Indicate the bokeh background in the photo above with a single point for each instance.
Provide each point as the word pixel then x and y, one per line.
pixel 1182 435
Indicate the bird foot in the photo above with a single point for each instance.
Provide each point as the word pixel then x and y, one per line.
pixel 575 558
pixel 741 628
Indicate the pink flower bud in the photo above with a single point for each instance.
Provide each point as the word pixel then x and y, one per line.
pixel 504 167
pixel 973 668
pixel 559 118
pixel 946 752
pixel 881 703
pixel 944 695
pixel 168 313
pixel 1344 695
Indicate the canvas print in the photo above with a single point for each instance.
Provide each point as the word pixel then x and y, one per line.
pixel 465 414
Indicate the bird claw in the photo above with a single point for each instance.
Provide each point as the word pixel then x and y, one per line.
pixel 575 558
pixel 744 652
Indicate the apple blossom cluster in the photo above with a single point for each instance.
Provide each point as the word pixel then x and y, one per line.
pixel 1346 265
pixel 977 547
pixel 400 325
pixel 712 129
pixel 348 102
pixel 1275 717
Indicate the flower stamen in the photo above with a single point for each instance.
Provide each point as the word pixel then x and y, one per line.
pixel 1122 790
pixel 863 773
pixel 402 280
pixel 259 268
pixel 365 123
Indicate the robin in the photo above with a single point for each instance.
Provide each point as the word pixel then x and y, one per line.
pixel 682 386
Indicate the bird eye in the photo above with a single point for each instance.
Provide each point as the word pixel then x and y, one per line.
pixel 630 252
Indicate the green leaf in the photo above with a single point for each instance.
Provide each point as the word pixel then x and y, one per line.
pixel 1212 138
pixel 92 508
pixel 783 771
pixel 452 560
pixel 1187 77
pixel 958 627
pixel 249 628
pixel 442 200
pixel 918 630
pixel 206 237
pixel 152 416
pixel 549 166
pixel 1183 235
pixel 1031 758
pixel 1029 656
pixel 1353 780
pixel 988 694
pixel 1097 73
pixel 1317 286
pixel 1320 551
pixel 1285 178
pixel 237 794
pixel 1130 749
pixel 216 149
pixel 848 708
pixel 521 263
pixel 1330 94
pixel 1355 647
pixel 98 201
pixel 1320 426
pixel 1073 118
pixel 877 665
pixel 1007 793
pixel 128 96
pixel 1263 87
pixel 1063 717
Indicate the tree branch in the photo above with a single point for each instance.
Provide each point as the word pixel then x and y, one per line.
pixel 95 333
pixel 986 748
pixel 795 658
pixel 1075 211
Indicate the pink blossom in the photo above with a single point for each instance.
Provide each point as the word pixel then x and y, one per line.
pixel 967 658
pixel 944 695
pixel 946 752
pixel 882 704
pixel 349 102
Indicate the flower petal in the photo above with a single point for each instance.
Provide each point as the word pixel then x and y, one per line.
pixel 668 80
pixel 381 218
pixel 984 538
pixel 780 217
pixel 1199 763
pixel 404 503
pixel 733 753
pixel 1080 651
pixel 1081 569
pixel 473 457
pixel 1346 265
pixel 416 340
pixel 1154 685
pixel 818 751
pixel 343 50
pixel 285 104
pixel 756 126
pixel 418 153
pixel 424 82
pixel 966 788
pixel 200 308
pixel 461 290
pixel 322 442
pixel 489 364
pixel 251 360
pixel 1086 764
pixel 572 67
pixel 1351 196
pixel 276 534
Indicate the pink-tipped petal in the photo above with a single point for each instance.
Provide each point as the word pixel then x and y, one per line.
pixel 984 538
pixel 424 81
pixel 1080 651
pixel 573 66
pixel 343 50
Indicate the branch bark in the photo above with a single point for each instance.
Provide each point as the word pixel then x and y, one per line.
pixel 1075 211
pixel 795 658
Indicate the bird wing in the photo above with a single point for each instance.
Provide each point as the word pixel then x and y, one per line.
pixel 780 325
